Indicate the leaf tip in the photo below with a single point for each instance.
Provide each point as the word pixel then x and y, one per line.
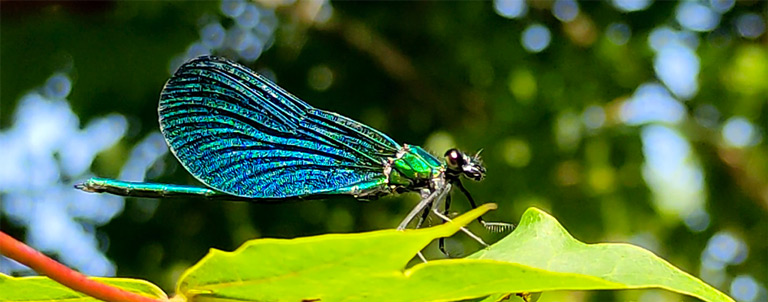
pixel 467 217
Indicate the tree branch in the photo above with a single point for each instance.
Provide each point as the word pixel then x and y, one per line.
pixel 44 265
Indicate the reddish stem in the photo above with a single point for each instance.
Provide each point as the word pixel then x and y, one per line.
pixel 44 265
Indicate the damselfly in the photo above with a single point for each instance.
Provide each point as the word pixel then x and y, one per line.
pixel 246 138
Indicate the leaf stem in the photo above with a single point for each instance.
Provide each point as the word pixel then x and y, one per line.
pixel 44 265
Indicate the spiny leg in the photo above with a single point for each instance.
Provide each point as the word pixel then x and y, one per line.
pixel 444 197
pixel 446 209
pixel 463 229
pixel 423 217
pixel 428 203
pixel 491 226
pixel 425 203
pixel 418 225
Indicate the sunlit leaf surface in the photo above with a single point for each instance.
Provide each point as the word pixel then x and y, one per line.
pixel 538 256
pixel 44 289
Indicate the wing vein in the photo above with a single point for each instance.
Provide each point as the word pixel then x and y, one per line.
pixel 241 134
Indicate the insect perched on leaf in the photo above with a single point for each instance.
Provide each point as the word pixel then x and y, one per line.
pixel 245 138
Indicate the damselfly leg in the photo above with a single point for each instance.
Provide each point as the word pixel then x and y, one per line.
pixel 432 202
pixel 463 229
pixel 446 210
pixel 424 204
pixel 496 227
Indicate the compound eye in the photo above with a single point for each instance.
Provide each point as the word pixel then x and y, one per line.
pixel 454 159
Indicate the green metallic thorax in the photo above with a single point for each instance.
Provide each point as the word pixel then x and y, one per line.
pixel 414 167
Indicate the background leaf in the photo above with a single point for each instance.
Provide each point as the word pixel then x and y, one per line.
pixel 44 289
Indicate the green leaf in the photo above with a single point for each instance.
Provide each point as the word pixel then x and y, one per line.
pixel 31 289
pixel 371 267
pixel 350 267
pixel 541 242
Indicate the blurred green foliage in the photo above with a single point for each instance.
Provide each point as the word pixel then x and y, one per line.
pixel 432 74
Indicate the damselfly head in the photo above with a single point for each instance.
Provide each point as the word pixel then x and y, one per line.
pixel 459 163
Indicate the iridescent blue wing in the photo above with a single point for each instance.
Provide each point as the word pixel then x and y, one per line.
pixel 241 134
